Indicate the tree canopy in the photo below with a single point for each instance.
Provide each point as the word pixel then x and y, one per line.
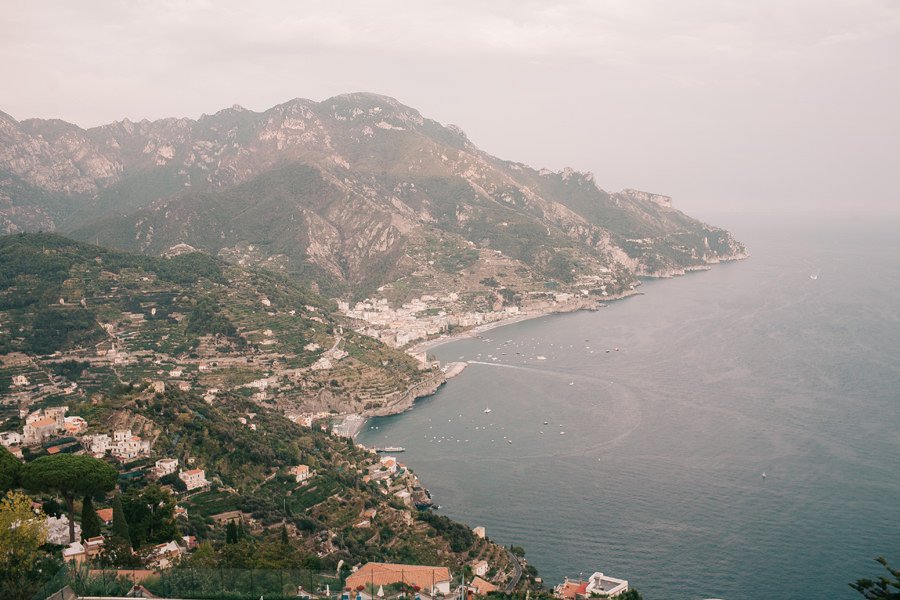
pixel 71 476
pixel 10 469
pixel 21 535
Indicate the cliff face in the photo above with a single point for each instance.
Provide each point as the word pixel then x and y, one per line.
pixel 357 190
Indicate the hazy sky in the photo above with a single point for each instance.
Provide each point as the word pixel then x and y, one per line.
pixel 724 105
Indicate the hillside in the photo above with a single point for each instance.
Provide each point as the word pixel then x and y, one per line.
pixel 191 321
pixel 350 193
pixel 234 372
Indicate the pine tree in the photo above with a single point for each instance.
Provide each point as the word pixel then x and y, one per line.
pixel 231 533
pixel 284 535
pixel 90 522
pixel 120 524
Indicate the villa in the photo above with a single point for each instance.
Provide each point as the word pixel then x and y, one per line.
pixel 597 585
pixel 194 479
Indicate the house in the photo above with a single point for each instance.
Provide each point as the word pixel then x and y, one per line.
pixel 184 386
pixel 80 552
pixel 370 513
pixel 481 587
pixel 74 552
pixel 300 473
pixel 164 555
pixel 98 444
pixel 166 466
pixel 11 438
pixel 597 585
pixel 20 381
pixel 158 386
pixel 429 579
pixel 74 425
pixel 58 530
pixel 106 515
pixel 390 463
pixel 194 479
pixel 39 430
pixel 480 568
pixel 130 446
pixel 479 531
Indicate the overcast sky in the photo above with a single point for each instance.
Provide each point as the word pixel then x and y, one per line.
pixel 728 105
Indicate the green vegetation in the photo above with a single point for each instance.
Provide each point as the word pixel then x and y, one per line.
pixel 90 522
pixel 10 469
pixel 886 587
pixel 70 476
pixel 22 562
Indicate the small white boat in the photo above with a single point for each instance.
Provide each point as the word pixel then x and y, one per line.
pixel 487 410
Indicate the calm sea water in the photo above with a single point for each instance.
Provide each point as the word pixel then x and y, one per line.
pixel 647 463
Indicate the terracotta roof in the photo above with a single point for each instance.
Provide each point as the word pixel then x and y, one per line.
pixel 52 449
pixel 483 587
pixel 385 574
pixel 105 514
pixel 43 422
pixel 192 472
pixel 572 588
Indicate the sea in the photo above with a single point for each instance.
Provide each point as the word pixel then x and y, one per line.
pixel 732 433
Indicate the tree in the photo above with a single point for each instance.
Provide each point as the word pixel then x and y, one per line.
pixel 886 588
pixel 10 470
pixel 71 476
pixel 231 534
pixel 90 522
pixel 120 523
pixel 284 535
pixel 151 515
pixel 22 533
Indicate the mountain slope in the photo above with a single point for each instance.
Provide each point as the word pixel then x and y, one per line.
pixel 352 192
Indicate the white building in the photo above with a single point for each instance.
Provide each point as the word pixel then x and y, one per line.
pixel 11 438
pixel 98 444
pixel 480 568
pixel 58 530
pixel 300 473
pixel 390 463
pixel 166 466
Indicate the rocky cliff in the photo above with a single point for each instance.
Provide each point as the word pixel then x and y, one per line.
pixel 352 192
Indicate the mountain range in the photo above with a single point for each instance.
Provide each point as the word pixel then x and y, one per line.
pixel 354 194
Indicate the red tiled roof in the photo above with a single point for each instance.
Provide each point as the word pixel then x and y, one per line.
pixel 385 574
pixel 105 514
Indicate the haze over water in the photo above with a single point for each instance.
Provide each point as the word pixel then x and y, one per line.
pixel 753 367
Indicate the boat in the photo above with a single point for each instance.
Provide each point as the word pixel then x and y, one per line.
pixel 487 410
pixel 391 449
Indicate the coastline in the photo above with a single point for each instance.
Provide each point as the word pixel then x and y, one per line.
pixel 359 420
pixel 427 345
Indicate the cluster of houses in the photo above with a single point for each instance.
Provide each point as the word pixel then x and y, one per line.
pixel 160 556
pixel 417 319
pixel 123 445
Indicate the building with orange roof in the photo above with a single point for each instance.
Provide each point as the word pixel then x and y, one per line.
pixel 39 430
pixel 482 587
pixel 193 479
pixel 106 515
pixel 597 585
pixel 429 579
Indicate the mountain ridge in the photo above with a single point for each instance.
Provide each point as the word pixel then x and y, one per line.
pixel 351 193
